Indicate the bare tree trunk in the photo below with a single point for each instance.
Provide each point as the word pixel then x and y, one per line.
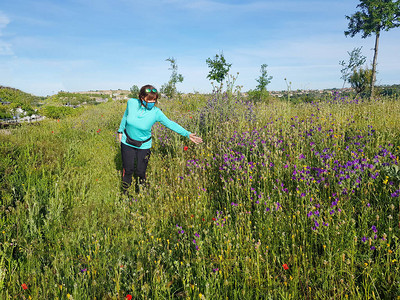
pixel 374 64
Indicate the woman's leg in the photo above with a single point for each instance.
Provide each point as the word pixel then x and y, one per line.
pixel 143 157
pixel 129 156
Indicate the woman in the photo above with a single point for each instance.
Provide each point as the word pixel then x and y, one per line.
pixel 135 134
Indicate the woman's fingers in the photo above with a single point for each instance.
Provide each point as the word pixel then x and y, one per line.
pixel 195 139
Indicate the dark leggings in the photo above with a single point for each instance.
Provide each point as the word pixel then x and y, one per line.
pixel 134 162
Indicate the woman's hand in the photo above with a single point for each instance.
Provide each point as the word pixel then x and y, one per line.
pixel 120 136
pixel 195 139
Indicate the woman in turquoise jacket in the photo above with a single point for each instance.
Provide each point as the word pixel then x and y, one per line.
pixel 135 134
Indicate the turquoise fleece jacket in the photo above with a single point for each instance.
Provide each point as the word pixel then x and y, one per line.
pixel 138 121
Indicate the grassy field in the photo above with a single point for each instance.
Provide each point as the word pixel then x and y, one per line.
pixel 281 201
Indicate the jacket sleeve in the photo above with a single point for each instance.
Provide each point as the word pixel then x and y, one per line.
pixel 123 121
pixel 172 125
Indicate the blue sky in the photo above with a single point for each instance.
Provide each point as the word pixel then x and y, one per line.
pixel 79 45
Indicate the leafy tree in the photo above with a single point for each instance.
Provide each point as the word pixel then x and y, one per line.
pixel 134 92
pixel 261 90
pixel 373 17
pixel 169 88
pixel 360 79
pixel 356 60
pixel 219 68
pixel 264 79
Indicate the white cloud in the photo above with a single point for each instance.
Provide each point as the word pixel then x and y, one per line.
pixel 4 21
pixel 5 48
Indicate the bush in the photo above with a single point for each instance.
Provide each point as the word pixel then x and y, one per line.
pixel 257 95
pixel 5 112
pixel 360 80
pixel 57 112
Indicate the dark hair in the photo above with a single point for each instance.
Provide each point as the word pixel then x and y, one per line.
pixel 143 94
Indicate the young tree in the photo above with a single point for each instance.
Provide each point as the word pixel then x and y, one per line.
pixel 360 79
pixel 356 60
pixel 260 91
pixel 169 88
pixel 219 68
pixel 373 17
pixel 134 92
pixel 264 79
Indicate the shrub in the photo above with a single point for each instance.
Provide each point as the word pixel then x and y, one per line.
pixel 361 79
pixel 57 112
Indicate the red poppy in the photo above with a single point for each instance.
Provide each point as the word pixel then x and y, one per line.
pixel 285 266
pixel 185 148
pixel 24 286
pixel 128 297
pixel 214 219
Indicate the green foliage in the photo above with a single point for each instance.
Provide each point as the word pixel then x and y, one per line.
pixel 360 79
pixel 134 92
pixel 5 112
pixel 169 88
pixel 356 60
pixel 373 17
pixel 74 99
pixel 257 95
pixel 233 218
pixel 264 79
pixel 19 97
pixel 261 93
pixel 219 68
pixel 57 112
pixel 389 90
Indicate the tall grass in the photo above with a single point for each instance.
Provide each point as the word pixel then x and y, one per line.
pixel 281 201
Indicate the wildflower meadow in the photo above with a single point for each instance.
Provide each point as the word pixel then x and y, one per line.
pixel 281 201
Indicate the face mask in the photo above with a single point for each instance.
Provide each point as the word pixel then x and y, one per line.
pixel 150 105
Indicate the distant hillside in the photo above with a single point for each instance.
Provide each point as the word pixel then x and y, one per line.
pixel 18 97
